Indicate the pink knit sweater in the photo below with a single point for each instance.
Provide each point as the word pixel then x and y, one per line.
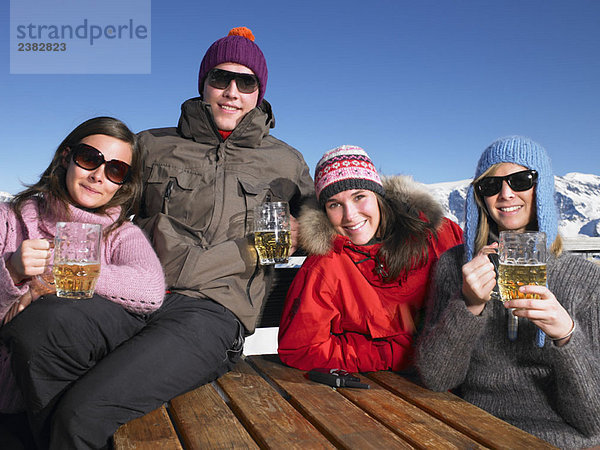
pixel 130 272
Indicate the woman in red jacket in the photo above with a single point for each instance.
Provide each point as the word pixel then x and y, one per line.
pixel 355 302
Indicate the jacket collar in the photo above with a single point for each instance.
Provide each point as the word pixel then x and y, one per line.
pixel 318 237
pixel 196 122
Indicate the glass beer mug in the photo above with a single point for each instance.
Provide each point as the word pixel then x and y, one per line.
pixel 522 261
pixel 76 259
pixel 522 258
pixel 272 232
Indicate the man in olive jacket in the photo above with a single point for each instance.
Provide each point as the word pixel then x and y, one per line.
pixel 202 180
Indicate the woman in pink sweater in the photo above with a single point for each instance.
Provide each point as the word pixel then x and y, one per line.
pixel 94 177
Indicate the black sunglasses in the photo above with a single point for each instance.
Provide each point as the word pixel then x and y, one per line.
pixel 90 158
pixel 518 182
pixel 220 79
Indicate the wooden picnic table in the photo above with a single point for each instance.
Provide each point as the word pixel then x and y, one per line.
pixel 265 404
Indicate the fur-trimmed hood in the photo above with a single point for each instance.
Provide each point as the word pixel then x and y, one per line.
pixel 402 194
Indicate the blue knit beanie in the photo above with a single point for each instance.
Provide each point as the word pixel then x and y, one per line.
pixel 527 153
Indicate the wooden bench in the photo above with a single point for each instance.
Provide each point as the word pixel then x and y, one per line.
pixel 264 404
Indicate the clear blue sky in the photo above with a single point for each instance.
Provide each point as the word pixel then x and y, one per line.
pixel 424 86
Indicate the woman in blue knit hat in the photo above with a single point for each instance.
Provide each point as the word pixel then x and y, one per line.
pixel 552 389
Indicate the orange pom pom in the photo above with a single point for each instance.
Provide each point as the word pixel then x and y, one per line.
pixel 242 31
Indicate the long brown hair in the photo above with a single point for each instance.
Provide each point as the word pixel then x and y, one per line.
pixel 52 183
pixel 405 235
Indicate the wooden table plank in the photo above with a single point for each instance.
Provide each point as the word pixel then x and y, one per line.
pixel 268 417
pixel 205 421
pixel 461 415
pixel 149 432
pixel 410 422
pixel 333 414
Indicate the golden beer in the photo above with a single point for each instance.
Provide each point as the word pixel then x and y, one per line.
pixel 273 246
pixel 76 280
pixel 512 276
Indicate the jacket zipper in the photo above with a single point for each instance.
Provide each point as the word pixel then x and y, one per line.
pixel 249 284
pixel 167 196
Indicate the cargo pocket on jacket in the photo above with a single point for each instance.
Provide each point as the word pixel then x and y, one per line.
pixel 171 241
pixel 170 185
pixel 254 194
pixel 210 266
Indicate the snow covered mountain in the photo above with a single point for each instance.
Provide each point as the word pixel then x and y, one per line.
pixel 577 195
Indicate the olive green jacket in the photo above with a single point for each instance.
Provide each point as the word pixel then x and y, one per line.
pixel 198 200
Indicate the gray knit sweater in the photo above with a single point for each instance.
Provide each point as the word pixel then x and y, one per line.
pixel 551 392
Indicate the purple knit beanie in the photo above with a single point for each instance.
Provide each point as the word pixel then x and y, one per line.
pixel 237 47
pixel 343 168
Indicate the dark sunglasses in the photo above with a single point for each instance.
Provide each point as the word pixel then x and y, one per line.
pixel 90 158
pixel 518 182
pixel 220 79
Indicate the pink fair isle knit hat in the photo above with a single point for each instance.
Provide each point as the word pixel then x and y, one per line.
pixel 343 168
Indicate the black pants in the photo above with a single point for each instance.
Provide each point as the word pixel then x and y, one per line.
pixel 87 366
pixel 15 433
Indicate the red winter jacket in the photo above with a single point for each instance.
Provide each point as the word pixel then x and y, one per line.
pixel 340 314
